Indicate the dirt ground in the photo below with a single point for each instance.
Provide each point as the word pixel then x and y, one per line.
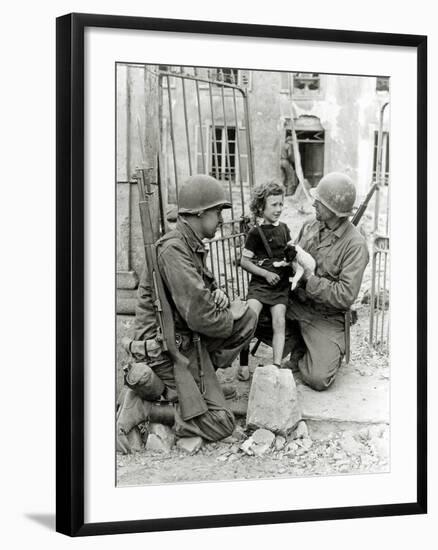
pixel 333 447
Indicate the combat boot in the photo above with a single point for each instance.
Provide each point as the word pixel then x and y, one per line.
pixel 135 410
pixel 162 414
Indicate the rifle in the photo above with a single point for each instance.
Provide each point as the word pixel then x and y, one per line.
pixel 361 210
pixel 190 399
pixel 350 316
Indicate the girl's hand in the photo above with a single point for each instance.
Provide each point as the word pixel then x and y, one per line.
pixel 272 278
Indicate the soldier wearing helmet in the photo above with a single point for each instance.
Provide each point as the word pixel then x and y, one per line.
pixel 200 308
pixel 328 290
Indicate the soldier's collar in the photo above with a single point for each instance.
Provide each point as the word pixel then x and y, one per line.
pixel 339 230
pixel 342 227
pixel 192 239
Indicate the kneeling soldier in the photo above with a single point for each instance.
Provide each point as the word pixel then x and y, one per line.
pixel 210 331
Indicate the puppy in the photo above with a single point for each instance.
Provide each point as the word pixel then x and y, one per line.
pixel 298 259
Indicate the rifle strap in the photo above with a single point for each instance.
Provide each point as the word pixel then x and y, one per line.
pixel 265 242
pixel 197 344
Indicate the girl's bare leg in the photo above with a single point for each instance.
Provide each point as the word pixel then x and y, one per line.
pixel 278 313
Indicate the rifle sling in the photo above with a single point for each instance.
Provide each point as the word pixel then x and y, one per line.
pixel 265 242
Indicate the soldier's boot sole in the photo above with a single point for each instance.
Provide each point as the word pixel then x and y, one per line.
pixel 133 411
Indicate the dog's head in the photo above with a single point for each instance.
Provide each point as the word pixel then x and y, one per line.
pixel 290 252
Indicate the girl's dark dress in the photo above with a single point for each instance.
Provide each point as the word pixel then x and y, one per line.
pixel 259 289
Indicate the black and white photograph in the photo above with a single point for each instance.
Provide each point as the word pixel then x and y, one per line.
pixel 218 243
pixel 252 275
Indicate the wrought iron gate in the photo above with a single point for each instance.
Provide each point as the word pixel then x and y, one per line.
pixel 380 279
pixel 205 128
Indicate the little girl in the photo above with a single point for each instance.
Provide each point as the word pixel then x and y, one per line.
pixel 269 286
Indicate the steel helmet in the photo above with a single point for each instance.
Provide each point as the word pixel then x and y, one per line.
pixel 337 192
pixel 201 192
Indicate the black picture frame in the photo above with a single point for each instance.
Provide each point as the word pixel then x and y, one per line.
pixel 70 273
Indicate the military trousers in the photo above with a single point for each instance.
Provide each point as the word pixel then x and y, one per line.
pixel 218 422
pixel 318 340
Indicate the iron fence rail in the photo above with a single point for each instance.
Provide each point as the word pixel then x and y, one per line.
pixel 380 266
pixel 205 112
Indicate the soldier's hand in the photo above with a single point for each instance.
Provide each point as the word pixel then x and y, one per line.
pixel 220 299
pixel 272 278
pixel 238 309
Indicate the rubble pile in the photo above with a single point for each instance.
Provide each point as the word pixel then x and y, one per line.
pixel 261 454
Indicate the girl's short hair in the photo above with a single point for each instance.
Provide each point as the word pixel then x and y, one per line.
pixel 261 193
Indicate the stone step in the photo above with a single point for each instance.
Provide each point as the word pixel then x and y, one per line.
pixel 351 399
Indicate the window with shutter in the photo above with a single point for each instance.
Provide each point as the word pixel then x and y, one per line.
pixel 382 84
pixel 225 153
pixel 306 84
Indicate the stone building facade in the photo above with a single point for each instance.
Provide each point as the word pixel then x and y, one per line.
pixel 336 118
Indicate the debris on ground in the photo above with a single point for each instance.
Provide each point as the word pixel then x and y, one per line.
pixel 259 443
pixel 190 445
pixel 350 445
pixel 301 431
pixel 314 447
pixel 280 442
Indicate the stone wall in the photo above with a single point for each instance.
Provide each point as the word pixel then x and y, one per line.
pixel 346 107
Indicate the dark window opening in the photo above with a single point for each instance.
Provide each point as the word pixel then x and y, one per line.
pixel 382 84
pixel 223 154
pixel 306 83
pixel 311 148
pixel 230 76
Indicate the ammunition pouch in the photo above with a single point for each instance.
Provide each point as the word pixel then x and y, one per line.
pixel 142 350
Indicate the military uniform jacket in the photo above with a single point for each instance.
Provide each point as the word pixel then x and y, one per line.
pixel 181 258
pixel 341 256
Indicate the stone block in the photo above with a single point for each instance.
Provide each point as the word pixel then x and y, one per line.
pixel 259 443
pixel 301 431
pixel 246 447
pixel 190 445
pixel 154 443
pixel 273 401
pixel 280 442
pixel 263 437
pixel 161 438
